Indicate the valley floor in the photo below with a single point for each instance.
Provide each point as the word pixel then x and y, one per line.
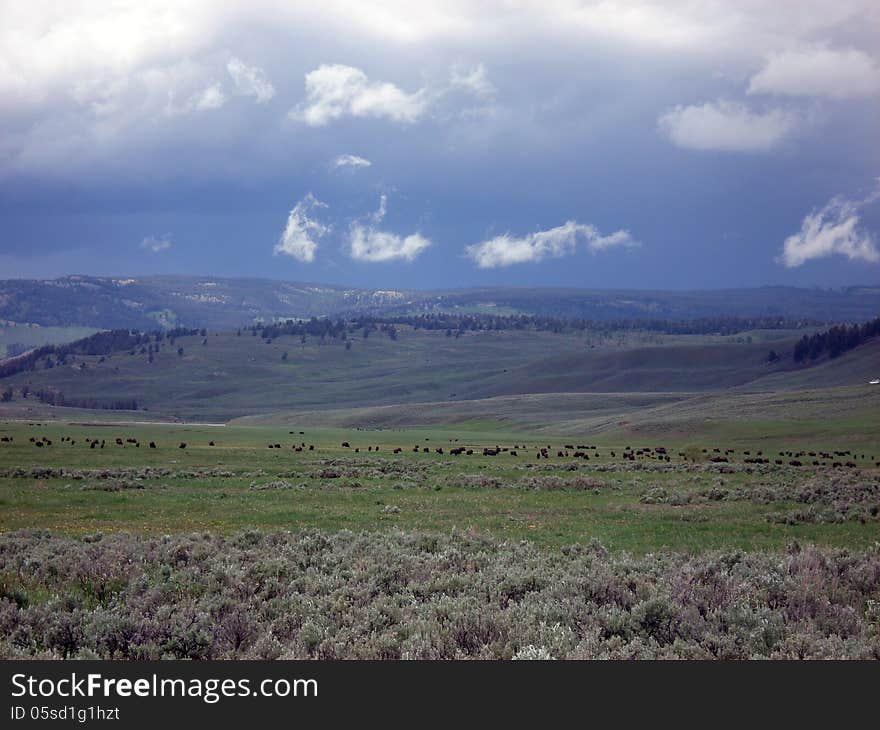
pixel 297 541
pixel 552 491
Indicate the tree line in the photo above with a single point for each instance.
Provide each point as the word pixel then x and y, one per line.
pixel 325 328
pixel 100 343
pixel 53 397
pixel 835 341
pixel 486 322
pixel 462 323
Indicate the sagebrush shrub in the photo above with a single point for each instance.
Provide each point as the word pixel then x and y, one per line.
pixel 396 595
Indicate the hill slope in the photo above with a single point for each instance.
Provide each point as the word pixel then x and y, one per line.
pixel 225 374
pixel 831 416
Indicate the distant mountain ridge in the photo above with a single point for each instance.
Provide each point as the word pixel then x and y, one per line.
pixel 152 302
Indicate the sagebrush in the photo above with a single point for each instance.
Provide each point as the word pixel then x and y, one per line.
pixel 398 595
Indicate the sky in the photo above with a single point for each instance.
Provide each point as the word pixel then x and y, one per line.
pixel 684 144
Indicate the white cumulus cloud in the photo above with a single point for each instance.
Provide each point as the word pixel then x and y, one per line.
pixel 300 235
pixel 250 80
pixel 506 250
pixel 368 243
pixel 335 90
pixel 724 125
pixel 375 246
pixel 818 72
pixel 351 161
pixel 157 244
pixel 833 229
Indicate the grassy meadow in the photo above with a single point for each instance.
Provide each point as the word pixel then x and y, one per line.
pixel 241 551
pixel 240 483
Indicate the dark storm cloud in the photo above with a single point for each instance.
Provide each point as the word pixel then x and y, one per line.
pixel 694 128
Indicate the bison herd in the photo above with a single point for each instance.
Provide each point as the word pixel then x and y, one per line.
pixel 835 459
pixel 302 446
pixel 92 443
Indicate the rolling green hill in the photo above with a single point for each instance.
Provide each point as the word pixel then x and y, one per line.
pixel 857 367
pixel 829 417
pixel 675 368
pixel 228 374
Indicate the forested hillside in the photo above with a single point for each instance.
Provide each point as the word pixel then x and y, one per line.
pixel 166 302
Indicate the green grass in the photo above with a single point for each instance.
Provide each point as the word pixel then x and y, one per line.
pixel 427 491
pixel 829 418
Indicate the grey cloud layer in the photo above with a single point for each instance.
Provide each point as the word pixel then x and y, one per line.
pixel 724 125
pixel 79 81
pixel 478 109
pixel 816 72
